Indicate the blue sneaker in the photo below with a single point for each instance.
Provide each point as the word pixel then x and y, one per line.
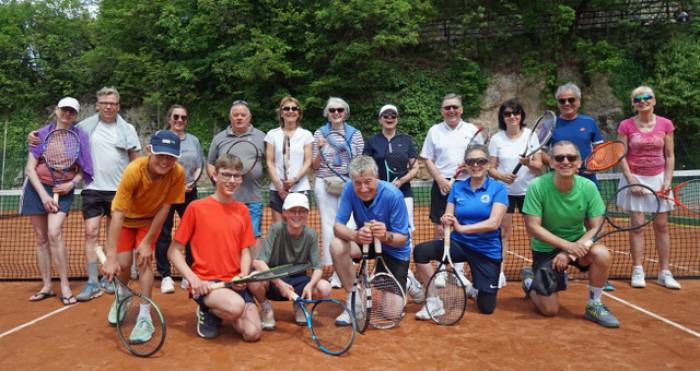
pixel 107 286
pixel 89 291
pixel 142 332
pixel 207 324
pixel 608 286
pixel 600 314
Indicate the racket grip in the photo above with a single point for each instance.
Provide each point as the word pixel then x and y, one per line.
pixel 448 233
pixel 588 244
pixel 218 285
pixel 517 168
pixel 55 197
pixel 377 246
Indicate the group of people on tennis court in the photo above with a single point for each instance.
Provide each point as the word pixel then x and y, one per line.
pixel 220 237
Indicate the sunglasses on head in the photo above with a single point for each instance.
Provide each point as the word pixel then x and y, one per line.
pixel 451 108
pixel 334 110
pixel 510 114
pixel 645 97
pixel 480 161
pixel 570 100
pixel 290 108
pixel 388 116
pixel 561 158
pixel 179 117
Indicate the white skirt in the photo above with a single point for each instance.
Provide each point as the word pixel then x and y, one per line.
pixel 643 204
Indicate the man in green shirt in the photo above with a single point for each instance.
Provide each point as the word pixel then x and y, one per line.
pixel 562 212
pixel 289 242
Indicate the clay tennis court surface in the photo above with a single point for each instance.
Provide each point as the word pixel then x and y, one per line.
pixel 514 337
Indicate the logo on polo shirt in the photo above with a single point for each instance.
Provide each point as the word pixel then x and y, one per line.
pixel 485 199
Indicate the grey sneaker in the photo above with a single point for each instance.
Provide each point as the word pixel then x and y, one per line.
pixel 600 314
pixel 267 319
pixel 299 316
pixel 527 276
pixel 207 324
pixel 89 291
pixel 107 286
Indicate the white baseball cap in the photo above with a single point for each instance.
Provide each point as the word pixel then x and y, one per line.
pixel 388 107
pixel 69 102
pixel 295 200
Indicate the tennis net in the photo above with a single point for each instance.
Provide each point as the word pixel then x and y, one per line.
pixel 18 241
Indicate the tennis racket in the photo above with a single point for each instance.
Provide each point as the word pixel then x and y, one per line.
pixel 542 130
pixel 61 151
pixel 285 155
pixel 320 320
pixel 388 297
pixel 193 164
pixel 279 271
pixel 606 156
pixel 481 136
pixel 140 322
pixel 685 195
pixel 249 154
pixel 361 297
pixel 337 154
pixel 399 157
pixel 446 303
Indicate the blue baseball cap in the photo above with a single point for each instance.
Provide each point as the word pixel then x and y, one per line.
pixel 165 142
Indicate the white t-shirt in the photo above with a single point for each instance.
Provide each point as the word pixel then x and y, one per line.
pixel 508 151
pixel 108 162
pixel 445 146
pixel 299 139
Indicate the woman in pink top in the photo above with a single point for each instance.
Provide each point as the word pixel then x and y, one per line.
pixel 650 161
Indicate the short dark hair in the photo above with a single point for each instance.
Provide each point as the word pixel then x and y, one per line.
pixel 516 107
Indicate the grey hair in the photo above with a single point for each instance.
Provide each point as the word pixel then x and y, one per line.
pixel 363 165
pixel 239 102
pixel 569 86
pixel 335 102
pixel 477 147
pixel 562 143
pixel 452 96
pixel 108 90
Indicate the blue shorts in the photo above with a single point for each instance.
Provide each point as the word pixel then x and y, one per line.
pixel 485 271
pixel 298 282
pixel 255 209
pixel 30 202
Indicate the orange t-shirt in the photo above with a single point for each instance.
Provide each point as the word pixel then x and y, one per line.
pixel 139 197
pixel 217 233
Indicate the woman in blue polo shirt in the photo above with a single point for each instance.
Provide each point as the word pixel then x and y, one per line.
pixel 475 209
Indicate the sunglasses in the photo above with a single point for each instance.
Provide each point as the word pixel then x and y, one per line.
pixel 68 110
pixel 510 114
pixel 476 161
pixel 564 101
pixel 639 98
pixel 451 108
pixel 334 110
pixel 561 158
pixel 389 117
pixel 290 108
pixel 179 117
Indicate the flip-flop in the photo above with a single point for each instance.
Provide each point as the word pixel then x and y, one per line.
pixel 68 300
pixel 39 296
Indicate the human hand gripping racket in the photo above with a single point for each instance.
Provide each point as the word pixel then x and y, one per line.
pixel 61 151
pixel 361 297
pixel 320 320
pixel 279 271
pixel 139 320
pixel 542 130
pixel 388 296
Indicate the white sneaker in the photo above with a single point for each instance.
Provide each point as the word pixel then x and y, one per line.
pixel 184 284
pixel 471 291
pixel 342 320
pixel 638 279
pixel 666 280
pixel 299 316
pixel 415 290
pixel 440 281
pixel 335 281
pixel 267 318
pixel 167 286
pixel 436 308
pixel 502 282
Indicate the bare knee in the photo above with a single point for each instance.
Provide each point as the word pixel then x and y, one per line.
pixel 548 309
pixel 601 255
pixel 251 333
pixel 324 289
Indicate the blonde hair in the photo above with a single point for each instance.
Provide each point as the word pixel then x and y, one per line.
pixel 641 89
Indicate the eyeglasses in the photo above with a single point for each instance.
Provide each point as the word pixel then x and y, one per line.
pixel 108 104
pixel 292 108
pixel 388 117
pixel 68 110
pixel 334 110
pixel 451 108
pixel 228 176
pixel 561 158
pixel 563 101
pixel 639 98
pixel 480 161
pixel 179 117
pixel 296 211
pixel 510 114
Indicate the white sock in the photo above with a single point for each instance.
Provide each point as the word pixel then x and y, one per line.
pixel 594 294
pixel 265 305
pixel 145 310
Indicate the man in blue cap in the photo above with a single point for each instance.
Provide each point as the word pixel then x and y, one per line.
pixel 147 189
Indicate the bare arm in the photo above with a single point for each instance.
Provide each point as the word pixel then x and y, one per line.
pixel 134 154
pixel 30 171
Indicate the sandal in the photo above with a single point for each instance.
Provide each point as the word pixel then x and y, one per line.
pixel 39 296
pixel 68 300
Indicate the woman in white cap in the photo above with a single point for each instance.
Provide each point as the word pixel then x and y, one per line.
pixel 46 214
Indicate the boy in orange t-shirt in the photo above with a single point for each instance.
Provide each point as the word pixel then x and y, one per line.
pixel 148 187
pixel 220 233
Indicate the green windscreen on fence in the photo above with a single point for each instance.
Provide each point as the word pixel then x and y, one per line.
pixel 18 250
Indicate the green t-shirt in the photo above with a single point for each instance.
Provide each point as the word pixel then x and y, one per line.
pixel 563 214
pixel 281 248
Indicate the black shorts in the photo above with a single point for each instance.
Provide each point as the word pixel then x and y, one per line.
pixel 515 201
pixel 438 203
pixel 276 202
pixel 298 282
pixel 541 258
pixel 399 268
pixel 97 203
pixel 485 271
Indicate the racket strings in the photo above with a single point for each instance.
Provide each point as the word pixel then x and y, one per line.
pixel 606 156
pixel 446 297
pixel 689 195
pixel 61 150
pixel 387 302
pixel 632 207
pixel 140 326
pixel 330 337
